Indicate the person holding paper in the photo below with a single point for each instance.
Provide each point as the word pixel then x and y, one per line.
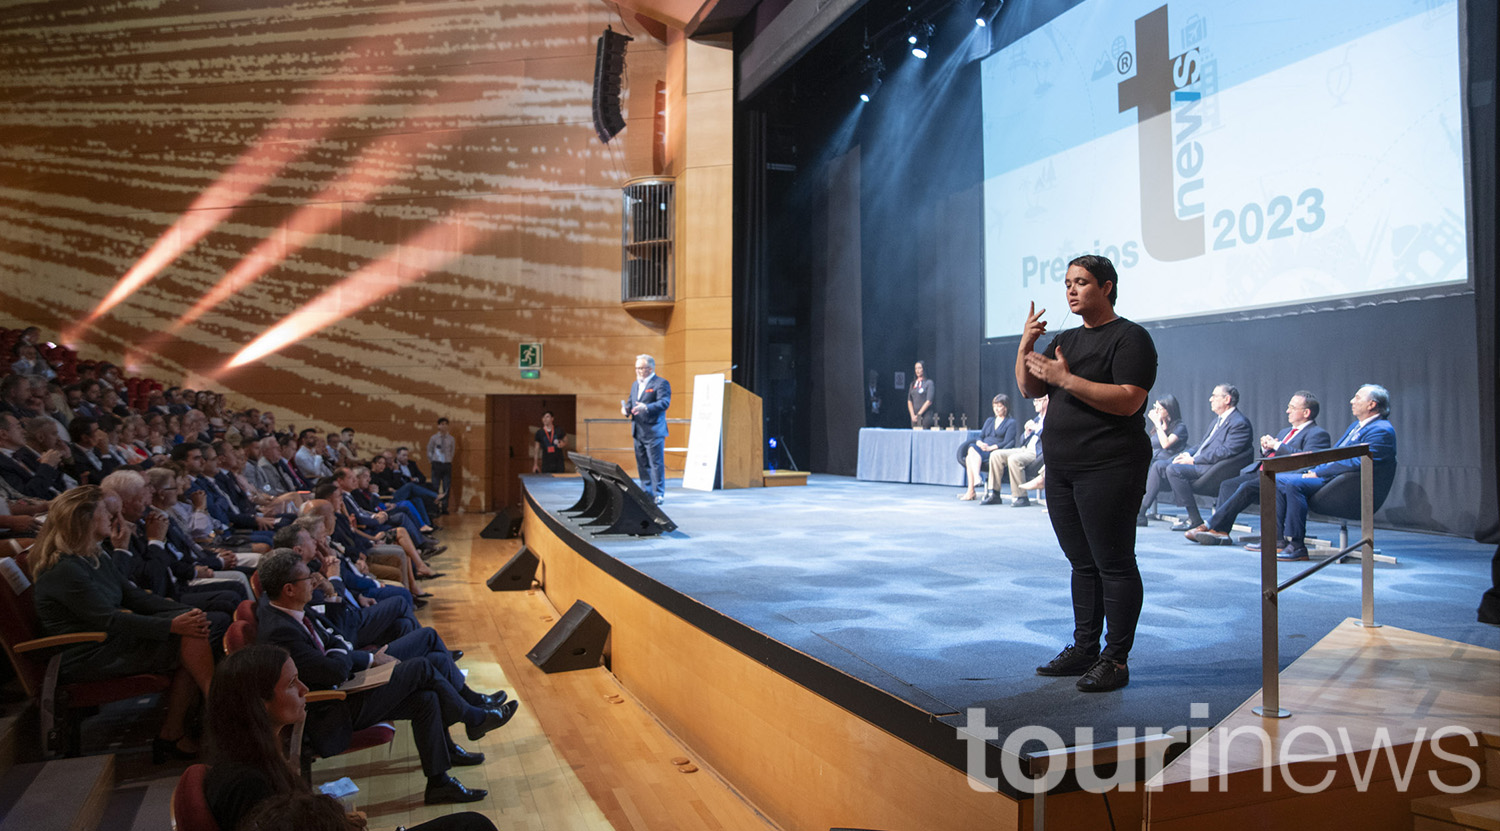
pixel 415 691
pixel 257 695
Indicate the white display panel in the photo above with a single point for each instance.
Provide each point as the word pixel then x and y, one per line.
pixel 1226 156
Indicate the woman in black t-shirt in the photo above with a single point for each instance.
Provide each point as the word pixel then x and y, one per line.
pixel 1097 377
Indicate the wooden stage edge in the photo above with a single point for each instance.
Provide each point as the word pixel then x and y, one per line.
pixel 850 755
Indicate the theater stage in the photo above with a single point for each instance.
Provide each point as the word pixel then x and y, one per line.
pixel 907 607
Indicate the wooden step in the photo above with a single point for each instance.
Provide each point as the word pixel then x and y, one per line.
pixel 62 795
pixel 1478 809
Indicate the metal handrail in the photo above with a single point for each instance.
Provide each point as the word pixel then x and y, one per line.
pixel 588 447
pixel 1270 590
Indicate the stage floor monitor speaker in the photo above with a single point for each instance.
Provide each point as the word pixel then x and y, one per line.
pixel 616 504
pixel 576 642
pixel 505 526
pixel 517 573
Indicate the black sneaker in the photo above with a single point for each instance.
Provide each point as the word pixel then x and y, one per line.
pixel 1103 676
pixel 1071 661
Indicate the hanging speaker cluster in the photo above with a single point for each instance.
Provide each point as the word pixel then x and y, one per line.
pixel 609 68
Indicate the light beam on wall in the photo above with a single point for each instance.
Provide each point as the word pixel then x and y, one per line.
pixel 407 263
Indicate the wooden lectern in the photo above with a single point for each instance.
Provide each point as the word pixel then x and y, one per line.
pixel 742 441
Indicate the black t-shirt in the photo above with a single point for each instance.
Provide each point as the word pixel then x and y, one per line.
pixel 552 455
pixel 1079 437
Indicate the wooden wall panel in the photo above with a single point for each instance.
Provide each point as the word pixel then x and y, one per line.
pixel 428 170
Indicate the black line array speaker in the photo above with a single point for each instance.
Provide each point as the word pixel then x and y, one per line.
pixel 505 526
pixel 517 573
pixel 576 642
pixel 609 69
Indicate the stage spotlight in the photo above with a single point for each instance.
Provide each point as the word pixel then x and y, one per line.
pixel 920 36
pixel 987 11
pixel 870 78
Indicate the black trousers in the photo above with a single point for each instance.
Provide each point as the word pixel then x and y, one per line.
pixel 1235 495
pixel 416 692
pixel 1093 514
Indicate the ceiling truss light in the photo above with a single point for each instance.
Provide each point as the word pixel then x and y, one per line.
pixel 920 37
pixel 987 11
pixel 871 76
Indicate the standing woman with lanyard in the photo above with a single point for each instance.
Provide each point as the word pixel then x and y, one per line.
pixel 1097 377
pixel 919 400
pixel 551 447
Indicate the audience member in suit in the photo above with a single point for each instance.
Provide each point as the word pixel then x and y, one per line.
pixel 85 465
pixel 15 396
pixel 362 620
pixel 257 695
pixel 1371 407
pixel 415 691
pixel 1242 491
pixel 1229 436
pixel 190 564
pixel 1017 462
pixel 1000 431
pixel 650 396
pixel 41 477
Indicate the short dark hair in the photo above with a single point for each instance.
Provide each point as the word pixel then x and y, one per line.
pixel 1309 401
pixel 181 451
pixel 324 489
pixel 302 435
pixel 276 570
pixel 1103 271
pixel 286 536
pixel 443 420
pixel 80 428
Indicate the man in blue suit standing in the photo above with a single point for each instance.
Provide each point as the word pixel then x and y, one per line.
pixel 1371 407
pixel 650 397
pixel 1229 436
pixel 1237 494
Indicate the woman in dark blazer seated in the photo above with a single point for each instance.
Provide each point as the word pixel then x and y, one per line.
pixel 256 697
pixel 1169 433
pixel 78 589
pixel 999 431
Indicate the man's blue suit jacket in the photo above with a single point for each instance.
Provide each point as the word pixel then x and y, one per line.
pixel 1310 438
pixel 1227 442
pixel 651 424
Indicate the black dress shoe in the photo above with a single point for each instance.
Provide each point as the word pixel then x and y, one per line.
pixel 1020 502
pixel 456 654
pixel 1104 676
pixel 432 550
pixel 433 576
pixel 1186 525
pixel 418 603
pixel 1072 660
pixel 464 758
pixel 443 789
pixel 1292 553
pixel 993 499
pixel 493 719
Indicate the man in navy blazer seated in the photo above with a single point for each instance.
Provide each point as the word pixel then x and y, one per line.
pixel 650 397
pixel 1371 407
pixel 1228 437
pixel 1236 494
pixel 415 690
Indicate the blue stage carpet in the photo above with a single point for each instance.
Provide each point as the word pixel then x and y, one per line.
pixel 950 605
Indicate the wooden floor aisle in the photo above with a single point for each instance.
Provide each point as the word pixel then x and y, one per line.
pixel 580 753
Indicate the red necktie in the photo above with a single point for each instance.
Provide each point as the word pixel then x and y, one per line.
pixel 307 621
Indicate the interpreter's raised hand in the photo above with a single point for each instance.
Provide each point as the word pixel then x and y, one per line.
pixel 191 624
pixel 1035 326
pixel 1052 371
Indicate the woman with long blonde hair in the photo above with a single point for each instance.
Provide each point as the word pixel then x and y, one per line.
pixel 79 589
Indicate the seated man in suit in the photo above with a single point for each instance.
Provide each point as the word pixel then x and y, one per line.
pixel 41 476
pixel 1229 436
pixel 1371 407
pixel 415 691
pixel 1242 491
pixel 359 618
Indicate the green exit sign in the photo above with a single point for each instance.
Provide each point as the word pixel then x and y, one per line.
pixel 530 374
pixel 530 357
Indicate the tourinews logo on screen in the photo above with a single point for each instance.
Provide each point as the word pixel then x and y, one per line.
pixel 1307 758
